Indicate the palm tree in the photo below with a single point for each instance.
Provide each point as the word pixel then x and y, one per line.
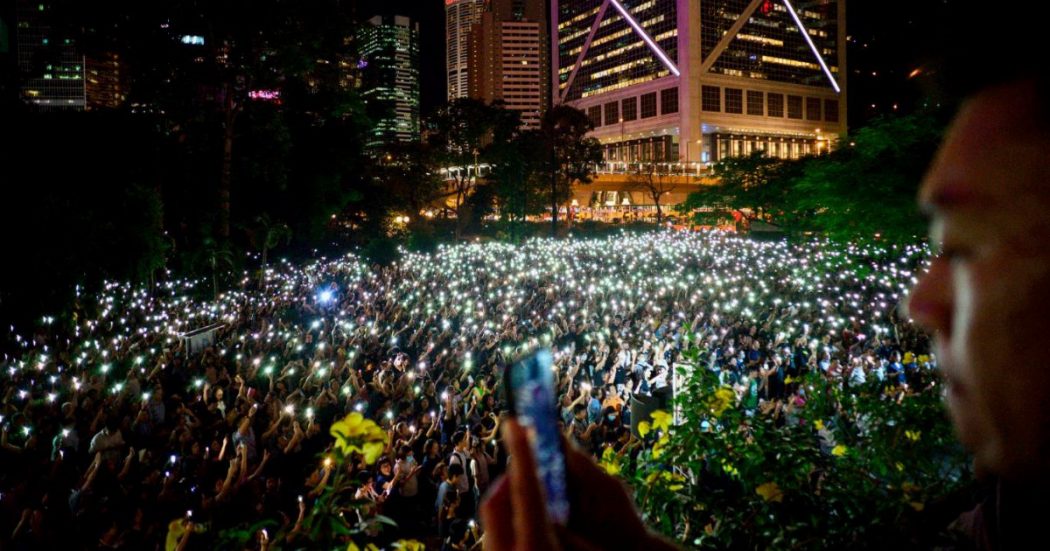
pixel 267 235
pixel 214 254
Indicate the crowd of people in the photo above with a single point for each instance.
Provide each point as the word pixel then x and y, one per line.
pixel 117 433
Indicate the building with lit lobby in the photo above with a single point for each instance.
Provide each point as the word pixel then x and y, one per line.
pixel 676 85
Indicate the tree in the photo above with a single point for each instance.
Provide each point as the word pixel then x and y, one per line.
pixel 408 174
pixel 862 191
pixel 465 132
pixel 212 256
pixel 655 180
pixel 751 185
pixel 867 190
pixel 266 235
pixel 520 176
pixel 461 130
pixel 572 155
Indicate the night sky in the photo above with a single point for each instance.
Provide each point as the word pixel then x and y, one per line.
pixel 890 38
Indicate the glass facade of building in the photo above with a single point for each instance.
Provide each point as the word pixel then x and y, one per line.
pixel 390 78
pixel 770 46
pixel 618 56
pixel 460 15
pixel 52 68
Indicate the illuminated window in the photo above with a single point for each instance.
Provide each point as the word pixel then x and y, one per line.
pixel 795 107
pixel 754 103
pixel 711 98
pixel 648 105
pixel 668 101
pixel 775 105
pixel 813 109
pixel 630 109
pixel 734 101
pixel 831 110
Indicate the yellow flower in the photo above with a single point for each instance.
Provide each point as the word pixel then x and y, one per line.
pixel 610 462
pixel 357 434
pixel 839 450
pixel 721 400
pixel 770 491
pixel 659 447
pixel 372 451
pixel 674 481
pixel 643 428
pixel 818 424
pixel 409 545
pixel 913 435
pixel 661 420
pixel 729 469
pixel 900 466
pixel 917 505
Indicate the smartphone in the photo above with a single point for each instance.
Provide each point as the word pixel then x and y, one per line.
pixel 531 396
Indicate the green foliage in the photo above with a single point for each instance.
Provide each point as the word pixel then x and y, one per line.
pixel 869 188
pixel 865 480
pixel 381 250
pixel 863 191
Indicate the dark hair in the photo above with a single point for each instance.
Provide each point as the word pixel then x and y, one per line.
pixel 455 469
pixel 458 437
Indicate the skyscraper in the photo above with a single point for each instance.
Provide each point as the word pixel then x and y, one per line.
pixel 51 68
pixel 105 81
pixel 508 59
pixel 390 78
pixel 460 15
pixel 690 81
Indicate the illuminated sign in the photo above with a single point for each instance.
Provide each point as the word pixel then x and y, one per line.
pixel 265 95
pixel 192 39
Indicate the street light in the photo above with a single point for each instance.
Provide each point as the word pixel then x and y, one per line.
pixel 623 148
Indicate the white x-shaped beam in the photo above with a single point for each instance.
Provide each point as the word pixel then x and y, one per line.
pixel 653 46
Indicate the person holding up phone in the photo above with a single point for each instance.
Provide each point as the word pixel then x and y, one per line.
pixel 602 515
pixel 554 496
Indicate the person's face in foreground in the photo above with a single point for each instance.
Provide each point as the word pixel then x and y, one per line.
pixel 986 296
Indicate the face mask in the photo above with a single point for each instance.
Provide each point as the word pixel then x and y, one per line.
pixel 610 417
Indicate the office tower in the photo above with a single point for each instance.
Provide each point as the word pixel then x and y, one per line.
pixel 51 68
pixel 390 78
pixel 105 81
pixel 689 82
pixel 460 15
pixel 508 60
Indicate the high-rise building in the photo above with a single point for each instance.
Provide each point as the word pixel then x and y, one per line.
pixel 105 81
pixel 390 78
pixel 508 59
pixel 52 69
pixel 684 82
pixel 460 15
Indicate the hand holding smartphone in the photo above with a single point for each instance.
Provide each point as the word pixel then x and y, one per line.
pixel 531 395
